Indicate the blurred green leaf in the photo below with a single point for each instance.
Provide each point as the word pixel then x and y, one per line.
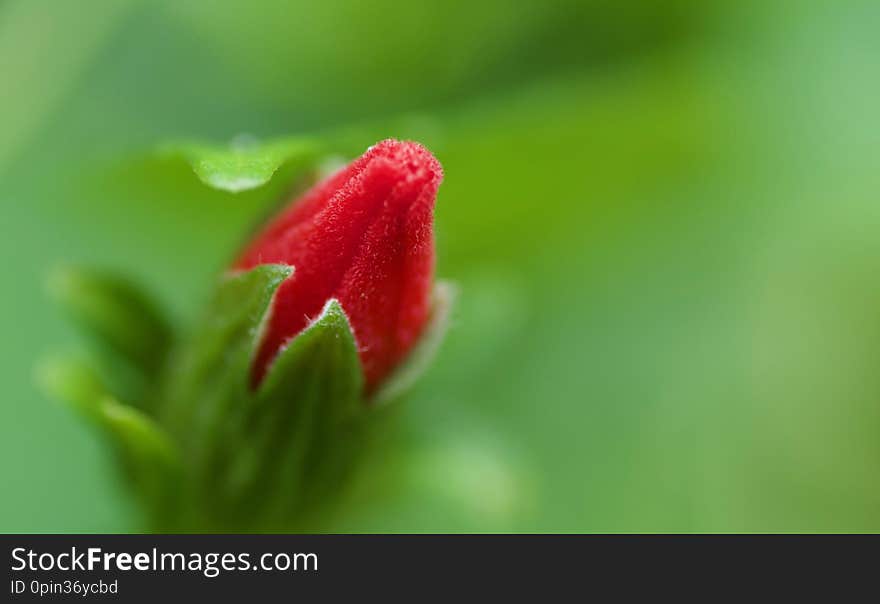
pixel 72 381
pixel 245 163
pixel 117 312
pixel 151 460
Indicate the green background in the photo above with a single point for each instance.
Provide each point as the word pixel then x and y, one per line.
pixel 663 221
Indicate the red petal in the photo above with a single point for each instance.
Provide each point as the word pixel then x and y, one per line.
pixel 365 237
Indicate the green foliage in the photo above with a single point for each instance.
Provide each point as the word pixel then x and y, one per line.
pixel 243 165
pixel 661 217
pixel 213 453
pixel 256 457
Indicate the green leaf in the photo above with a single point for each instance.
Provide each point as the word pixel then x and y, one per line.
pixel 419 359
pixel 245 163
pixel 119 314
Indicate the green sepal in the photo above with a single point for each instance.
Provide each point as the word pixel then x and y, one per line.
pixel 208 376
pixel 245 163
pixel 258 458
pixel 302 432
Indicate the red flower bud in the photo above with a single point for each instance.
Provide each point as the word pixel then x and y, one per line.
pixel 365 237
